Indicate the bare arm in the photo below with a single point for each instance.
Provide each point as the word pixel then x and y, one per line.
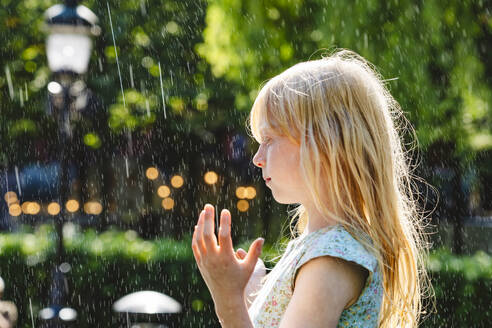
pixel 324 287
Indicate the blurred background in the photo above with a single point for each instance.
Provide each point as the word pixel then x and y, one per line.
pixel 120 119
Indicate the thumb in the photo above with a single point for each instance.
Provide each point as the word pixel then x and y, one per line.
pixel 241 253
pixel 254 251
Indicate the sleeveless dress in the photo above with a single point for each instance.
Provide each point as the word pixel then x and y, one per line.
pixel 272 299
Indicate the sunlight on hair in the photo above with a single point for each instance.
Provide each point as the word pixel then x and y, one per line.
pixel 350 132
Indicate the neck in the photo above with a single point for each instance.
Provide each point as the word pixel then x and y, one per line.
pixel 316 220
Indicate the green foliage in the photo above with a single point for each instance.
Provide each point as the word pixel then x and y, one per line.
pixel 109 265
pixel 436 51
pixel 134 111
pixel 478 266
pixel 213 56
pixel 148 34
pixel 92 140
pixel 207 60
pixel 105 267
pixel 462 287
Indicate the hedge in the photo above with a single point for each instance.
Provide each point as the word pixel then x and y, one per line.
pixel 109 265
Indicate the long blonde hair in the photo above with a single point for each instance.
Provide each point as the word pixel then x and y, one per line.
pixel 340 113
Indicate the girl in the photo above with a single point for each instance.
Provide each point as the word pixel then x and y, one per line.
pixel 328 135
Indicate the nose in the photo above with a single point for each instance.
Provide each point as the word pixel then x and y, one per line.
pixel 259 159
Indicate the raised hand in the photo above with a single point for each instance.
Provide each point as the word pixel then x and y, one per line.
pixel 225 272
pixel 254 283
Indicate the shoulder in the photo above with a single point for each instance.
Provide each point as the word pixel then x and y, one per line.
pixel 324 287
pixel 339 243
pixel 333 277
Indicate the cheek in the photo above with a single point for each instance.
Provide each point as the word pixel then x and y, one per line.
pixel 286 160
pixel 295 168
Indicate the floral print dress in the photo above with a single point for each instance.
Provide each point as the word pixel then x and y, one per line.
pixel 274 296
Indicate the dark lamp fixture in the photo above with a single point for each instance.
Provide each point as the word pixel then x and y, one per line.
pixel 68 46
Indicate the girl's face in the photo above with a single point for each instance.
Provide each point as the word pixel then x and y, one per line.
pixel 278 158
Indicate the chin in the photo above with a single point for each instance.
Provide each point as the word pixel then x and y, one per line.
pixel 281 199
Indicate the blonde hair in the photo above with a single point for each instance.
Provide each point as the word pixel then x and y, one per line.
pixel 338 110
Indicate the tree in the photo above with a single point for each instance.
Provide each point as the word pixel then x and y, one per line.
pixel 434 54
pixel 170 101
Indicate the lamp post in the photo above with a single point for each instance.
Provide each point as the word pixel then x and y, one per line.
pixel 70 28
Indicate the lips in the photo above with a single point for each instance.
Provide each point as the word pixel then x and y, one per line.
pixel 267 179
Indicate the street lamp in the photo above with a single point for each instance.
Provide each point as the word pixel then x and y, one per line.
pixel 70 28
pixel 69 43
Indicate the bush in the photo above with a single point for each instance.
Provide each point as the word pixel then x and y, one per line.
pixel 104 267
pixel 463 286
pixel 112 264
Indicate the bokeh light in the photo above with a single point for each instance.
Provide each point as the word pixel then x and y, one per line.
pixel 177 181
pixel 15 210
pixel 55 87
pixel 93 207
pixel 168 203
pixel 211 177
pixel 241 192
pixel 10 197
pixel 33 208
pixel 250 192
pixel 54 208
pixel 25 207
pixel 72 205
pixel 152 173
pixel 163 191
pixel 242 205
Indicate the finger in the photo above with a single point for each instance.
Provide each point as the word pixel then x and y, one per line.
pixel 254 251
pixel 194 247
pixel 199 234
pixel 225 241
pixel 241 253
pixel 209 238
